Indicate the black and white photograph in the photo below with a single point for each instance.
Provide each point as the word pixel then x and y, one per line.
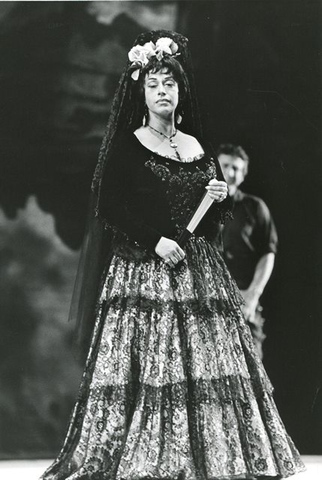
pixel 161 240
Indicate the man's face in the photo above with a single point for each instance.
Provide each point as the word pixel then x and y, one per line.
pixel 234 170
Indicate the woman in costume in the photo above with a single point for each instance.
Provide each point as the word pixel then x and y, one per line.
pixel 173 387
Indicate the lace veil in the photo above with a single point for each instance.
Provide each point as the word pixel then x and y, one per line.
pixel 124 116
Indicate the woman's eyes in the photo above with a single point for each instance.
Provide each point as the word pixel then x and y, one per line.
pixel 167 84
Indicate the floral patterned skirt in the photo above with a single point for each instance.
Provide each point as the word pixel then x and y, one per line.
pixel 173 387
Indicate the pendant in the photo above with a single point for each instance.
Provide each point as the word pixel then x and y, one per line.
pixel 173 145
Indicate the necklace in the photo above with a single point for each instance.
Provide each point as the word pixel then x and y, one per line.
pixel 172 144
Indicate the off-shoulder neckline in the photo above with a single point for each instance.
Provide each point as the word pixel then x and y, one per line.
pixel 167 157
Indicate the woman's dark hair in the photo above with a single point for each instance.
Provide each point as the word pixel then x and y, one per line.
pixel 167 64
pixel 126 116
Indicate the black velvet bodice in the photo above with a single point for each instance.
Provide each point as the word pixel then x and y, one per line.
pixel 147 196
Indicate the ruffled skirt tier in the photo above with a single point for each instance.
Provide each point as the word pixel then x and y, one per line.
pixel 173 387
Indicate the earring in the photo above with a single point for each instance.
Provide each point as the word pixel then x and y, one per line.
pixel 179 119
pixel 145 116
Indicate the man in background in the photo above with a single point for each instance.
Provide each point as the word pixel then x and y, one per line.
pixel 249 240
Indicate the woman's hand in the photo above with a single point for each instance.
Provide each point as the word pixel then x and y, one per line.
pixel 169 251
pixel 217 190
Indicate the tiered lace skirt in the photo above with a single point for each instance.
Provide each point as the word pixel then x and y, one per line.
pixel 173 388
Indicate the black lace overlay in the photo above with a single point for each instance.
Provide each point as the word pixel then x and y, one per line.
pixel 184 184
pixel 173 387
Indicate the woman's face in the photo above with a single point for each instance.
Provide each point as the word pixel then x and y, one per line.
pixel 161 94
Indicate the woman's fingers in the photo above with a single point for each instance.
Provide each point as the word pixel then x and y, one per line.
pixel 218 183
pixel 169 262
pixel 179 253
pixel 217 195
pixel 175 256
pixel 169 251
pixel 217 190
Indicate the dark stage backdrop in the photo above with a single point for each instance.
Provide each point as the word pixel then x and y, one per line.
pixel 259 83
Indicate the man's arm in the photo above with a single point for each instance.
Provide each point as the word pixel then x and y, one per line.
pixel 261 276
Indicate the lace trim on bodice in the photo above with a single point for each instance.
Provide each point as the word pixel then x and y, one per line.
pixel 184 185
pixel 182 160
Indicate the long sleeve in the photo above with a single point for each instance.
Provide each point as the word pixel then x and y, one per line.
pixel 218 213
pixel 223 210
pixel 117 196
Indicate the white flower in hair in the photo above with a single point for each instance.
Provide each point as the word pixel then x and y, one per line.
pixel 166 45
pixel 149 48
pixel 138 55
pixel 141 54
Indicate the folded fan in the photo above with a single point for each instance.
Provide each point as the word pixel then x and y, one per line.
pixel 196 218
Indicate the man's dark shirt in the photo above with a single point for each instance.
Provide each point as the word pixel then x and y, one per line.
pixel 249 236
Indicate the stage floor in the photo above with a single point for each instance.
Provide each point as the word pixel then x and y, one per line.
pixel 32 469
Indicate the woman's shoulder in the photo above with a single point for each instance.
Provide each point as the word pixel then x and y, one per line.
pixel 140 133
pixel 189 145
pixel 125 144
pixel 124 153
pixel 188 138
pixel 125 139
pixel 196 142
